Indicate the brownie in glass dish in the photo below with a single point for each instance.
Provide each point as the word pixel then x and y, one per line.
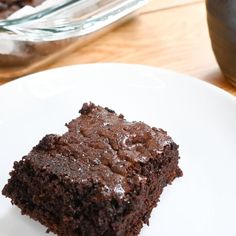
pixel 8 7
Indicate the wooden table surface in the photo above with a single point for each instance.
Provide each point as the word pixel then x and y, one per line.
pixel 171 34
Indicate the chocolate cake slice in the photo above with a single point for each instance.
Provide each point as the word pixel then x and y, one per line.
pixel 102 177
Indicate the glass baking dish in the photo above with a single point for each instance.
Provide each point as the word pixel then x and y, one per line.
pixel 31 40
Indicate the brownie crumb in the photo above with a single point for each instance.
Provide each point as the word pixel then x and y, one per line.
pixel 109 110
pixel 48 142
pixel 87 108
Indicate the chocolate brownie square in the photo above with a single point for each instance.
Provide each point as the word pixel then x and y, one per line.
pixel 102 177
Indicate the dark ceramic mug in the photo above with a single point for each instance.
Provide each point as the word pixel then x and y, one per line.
pixel 221 16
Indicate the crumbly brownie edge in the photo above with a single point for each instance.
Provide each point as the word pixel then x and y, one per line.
pixel 23 181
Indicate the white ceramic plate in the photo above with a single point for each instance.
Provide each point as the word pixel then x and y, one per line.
pixel 200 117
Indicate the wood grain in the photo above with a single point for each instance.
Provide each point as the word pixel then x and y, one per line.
pixel 164 4
pixel 168 34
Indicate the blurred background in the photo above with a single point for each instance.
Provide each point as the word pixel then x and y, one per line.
pixel 171 34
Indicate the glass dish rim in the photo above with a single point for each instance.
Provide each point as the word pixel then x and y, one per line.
pixel 18 28
pixel 39 14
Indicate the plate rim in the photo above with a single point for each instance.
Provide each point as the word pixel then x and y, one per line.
pixel 198 81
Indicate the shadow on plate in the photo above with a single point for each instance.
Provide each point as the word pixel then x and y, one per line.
pixel 13 223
